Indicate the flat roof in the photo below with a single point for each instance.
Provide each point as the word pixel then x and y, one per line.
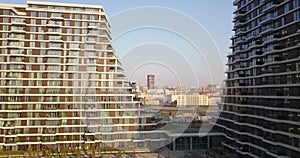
pixel 98 6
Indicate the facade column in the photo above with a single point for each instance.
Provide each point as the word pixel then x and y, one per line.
pixel 174 145
pixel 208 142
pixel 191 143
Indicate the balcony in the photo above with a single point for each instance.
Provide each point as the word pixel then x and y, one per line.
pixel 55 48
pixel 277 58
pixel 11 46
pixel 242 84
pixel 13 38
pixel 267 20
pixel 18 31
pixel 236 2
pixel 92 27
pixel 277 1
pixel 53 24
pixel 278 47
pixel 240 14
pixel 53 32
pixel 272 7
pixel 239 23
pixel 239 32
pixel 18 22
pixel 266 30
pixel 91 41
pixel 277 35
pixel 259 52
pixel 242 75
pixel 57 17
pixel 260 62
pixel 258 42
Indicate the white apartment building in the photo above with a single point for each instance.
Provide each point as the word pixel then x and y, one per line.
pixel 194 99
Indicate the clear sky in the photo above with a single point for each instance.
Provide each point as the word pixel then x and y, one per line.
pixel 214 16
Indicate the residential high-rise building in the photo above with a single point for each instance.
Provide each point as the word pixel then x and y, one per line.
pixel 261 107
pixel 61 84
pixel 150 81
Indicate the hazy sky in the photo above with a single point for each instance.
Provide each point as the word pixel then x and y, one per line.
pixel 176 47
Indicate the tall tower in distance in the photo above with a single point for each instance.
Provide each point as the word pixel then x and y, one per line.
pixel 150 81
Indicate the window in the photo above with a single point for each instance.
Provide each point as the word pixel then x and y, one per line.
pixel 29 52
pixel 5 28
pixel 5 12
pixel 32 36
pixel 297 78
pixel 92 17
pixel 60 8
pixel 41 29
pixel 43 45
pixel 286 7
pixel 282 21
pixel 288 79
pixel 295 3
pixel 55 45
pixel 298 66
pixel 69 38
pixel 67 23
pixel 40 36
pixel 43 22
pixel 74 45
pixel 77 23
pixel 77 16
pixel 32 29
pixel 296 15
pixel 91 9
pixel 54 37
pixel 77 31
pixel 33 14
pixel 56 14
pixel 4 51
pixel 32 44
pixel 76 38
pixel 43 14
pixel 54 52
pixel 33 21
pixel 5 20
pixel 84 24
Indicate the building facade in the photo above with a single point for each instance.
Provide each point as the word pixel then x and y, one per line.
pixel 261 107
pixel 61 84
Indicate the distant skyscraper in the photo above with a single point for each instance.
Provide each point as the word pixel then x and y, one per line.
pixel 150 81
pixel 261 108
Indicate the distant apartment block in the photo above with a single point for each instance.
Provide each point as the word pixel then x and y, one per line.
pixel 61 83
pixel 194 99
pixel 261 107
